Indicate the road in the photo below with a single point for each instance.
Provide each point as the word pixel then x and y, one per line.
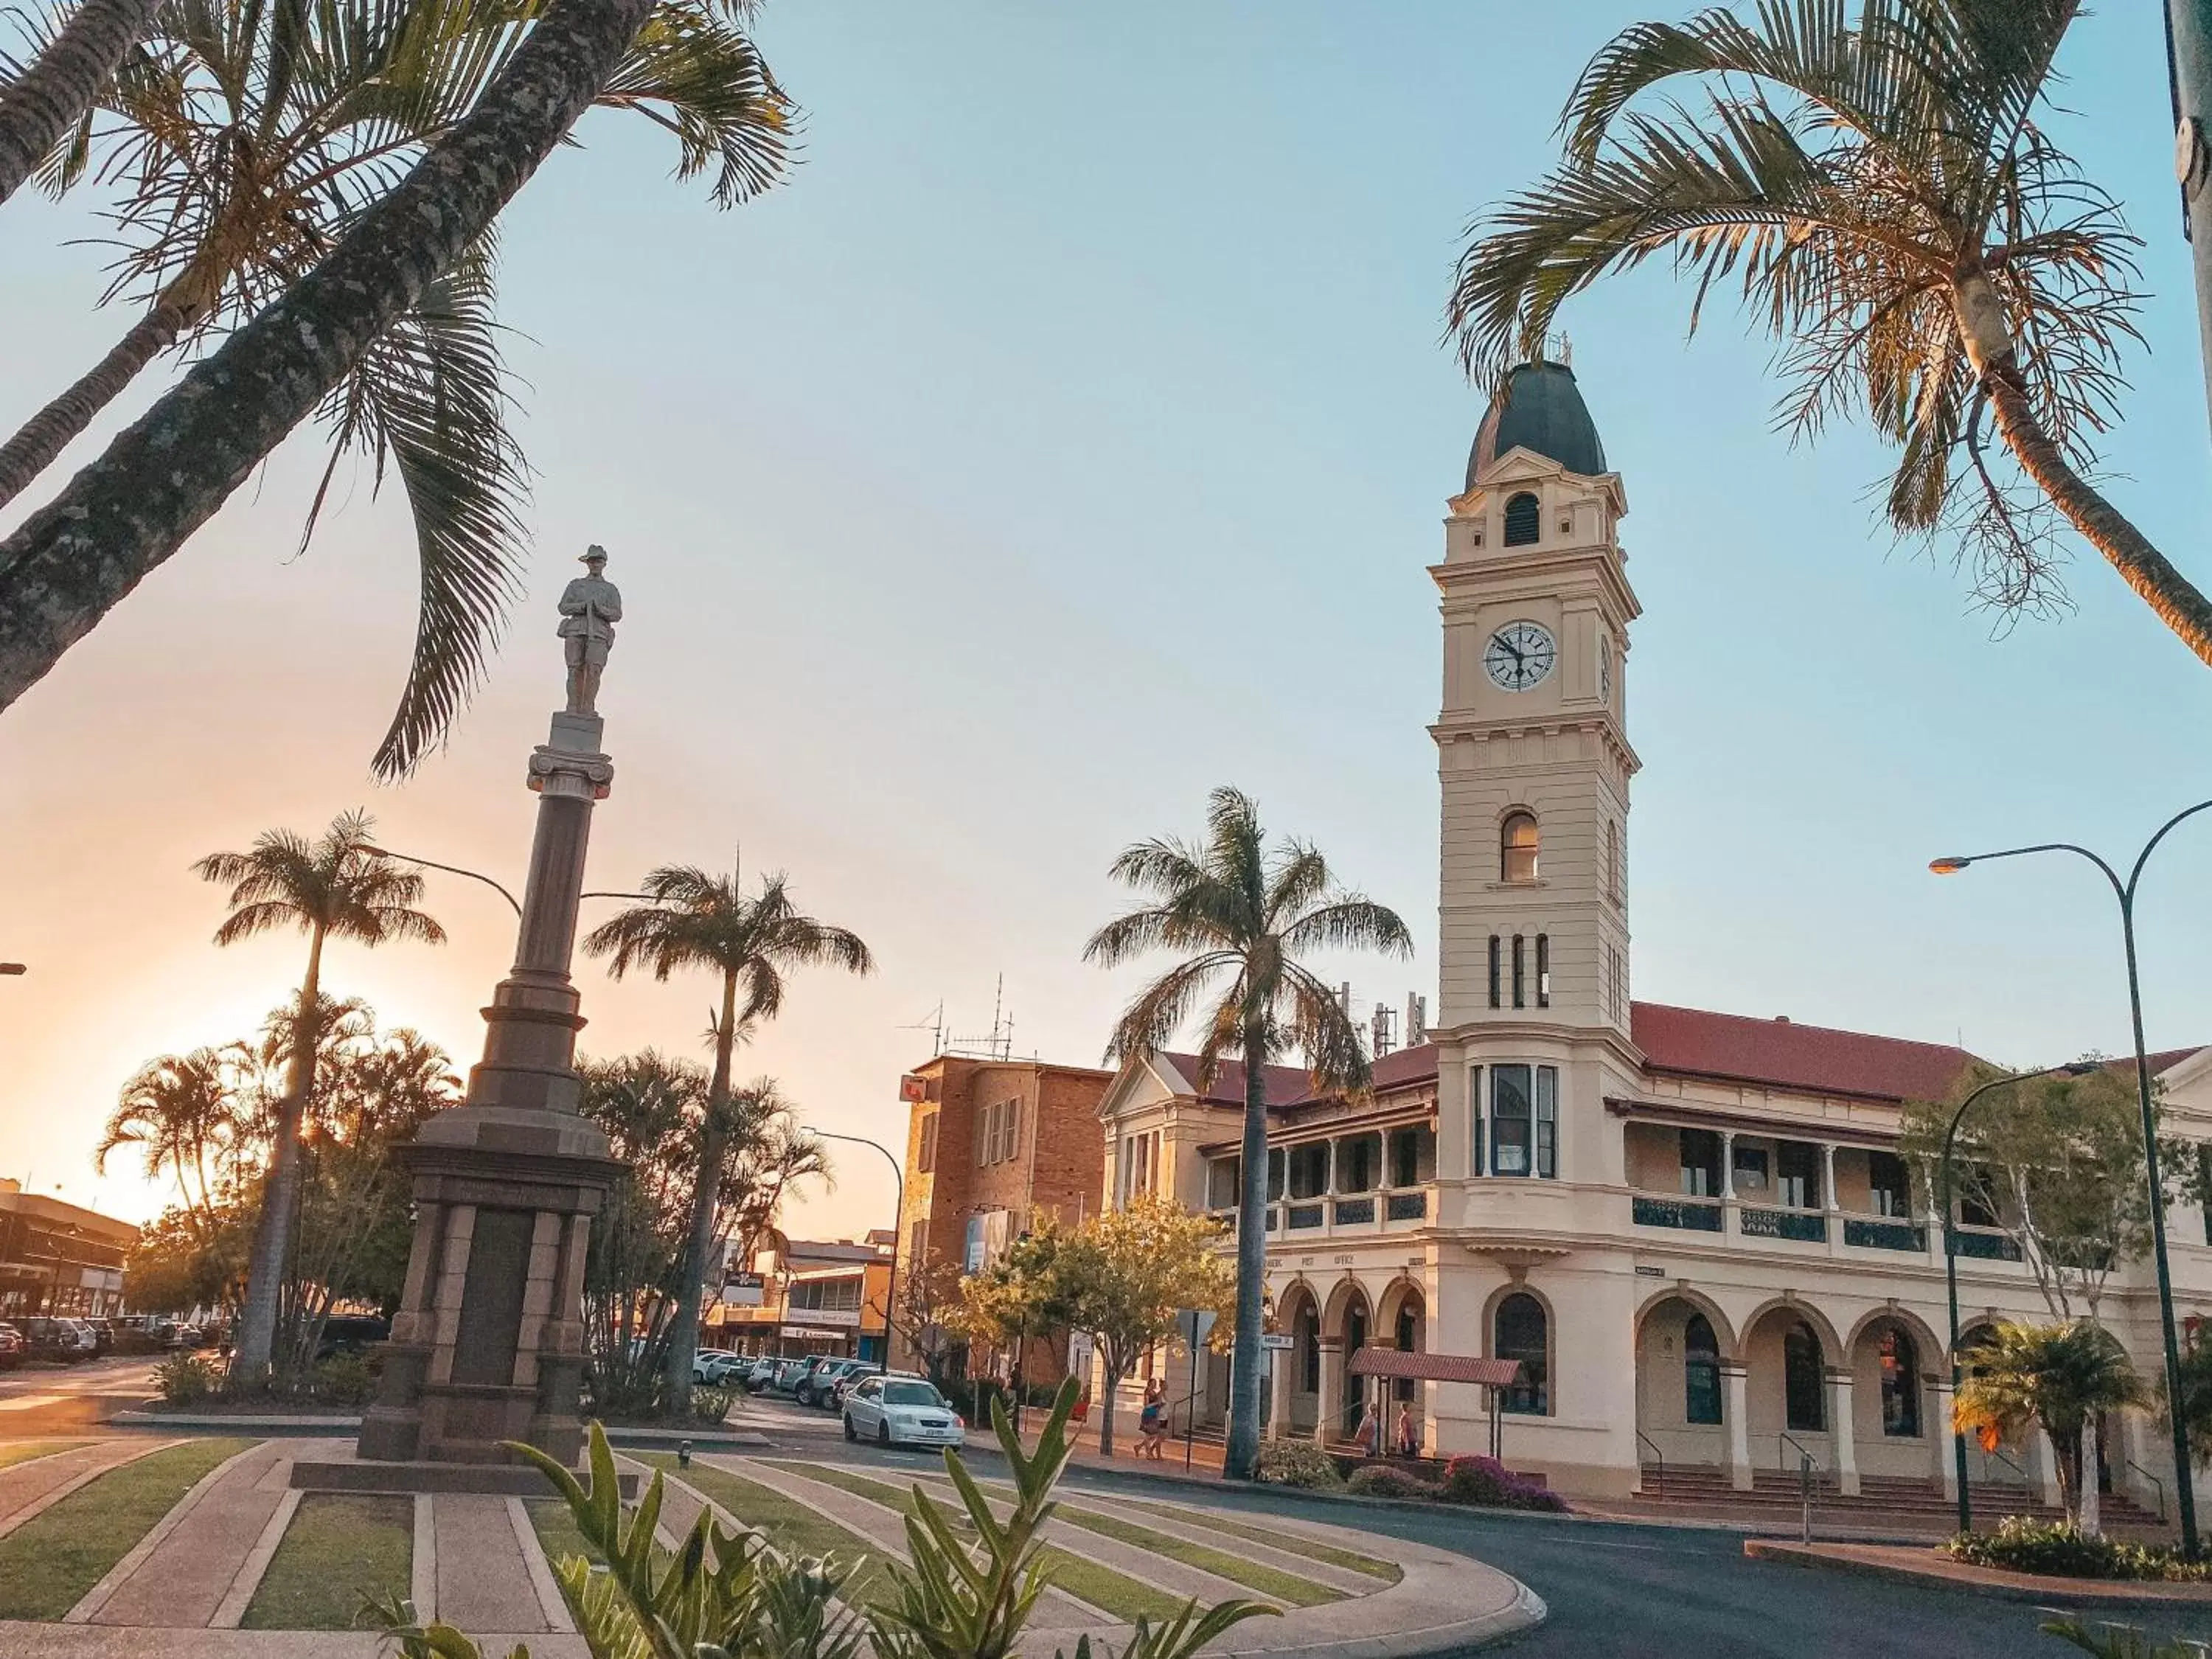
pixel 39 1399
pixel 1623 1590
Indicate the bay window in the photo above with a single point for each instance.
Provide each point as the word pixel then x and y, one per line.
pixel 1524 1122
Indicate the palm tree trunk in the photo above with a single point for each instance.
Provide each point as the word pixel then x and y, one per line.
pixel 1240 1460
pixel 691 1289
pixel 122 516
pixel 280 1194
pixel 55 92
pixel 2170 594
pixel 40 440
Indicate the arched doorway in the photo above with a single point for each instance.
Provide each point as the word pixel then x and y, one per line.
pixel 1701 1373
pixel 1682 1343
pixel 1301 1321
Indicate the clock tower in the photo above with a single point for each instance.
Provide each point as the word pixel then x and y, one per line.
pixel 1531 749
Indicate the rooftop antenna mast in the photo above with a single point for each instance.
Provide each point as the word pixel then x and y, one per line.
pixel 999 1045
pixel 934 1024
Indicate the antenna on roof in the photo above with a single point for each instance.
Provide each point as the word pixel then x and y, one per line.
pixel 934 1024
pixel 999 1045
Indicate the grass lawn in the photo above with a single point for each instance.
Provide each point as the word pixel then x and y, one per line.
pixel 558 1534
pixel 1291 1542
pixel 47 1564
pixel 341 1549
pixel 1126 1598
pixel 1271 1582
pixel 23 1451
pixel 790 1525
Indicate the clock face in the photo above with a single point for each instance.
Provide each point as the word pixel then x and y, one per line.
pixel 1519 655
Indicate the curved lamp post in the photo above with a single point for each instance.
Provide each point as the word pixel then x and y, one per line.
pixel 898 1220
pixel 2073 1068
pixel 12 968
pixel 2125 891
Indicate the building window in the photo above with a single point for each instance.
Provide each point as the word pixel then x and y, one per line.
pixel 1612 860
pixel 1496 961
pixel 1405 1157
pixel 1543 970
pixel 1275 1160
pixel 1308 1170
pixel 1475 1165
pixel 1616 985
pixel 1519 972
pixel 1900 1385
pixel 1701 1162
pixel 1521 1331
pixel 1308 1335
pixel 928 1158
pixel 1701 1371
pixel 1797 1174
pixel 1523 519
pixel 1802 1408
pixel 917 1245
pixel 998 1132
pixel 1358 1164
pixel 1524 1122
pixel 1517 848
pixel 1889 1186
pixel 1222 1190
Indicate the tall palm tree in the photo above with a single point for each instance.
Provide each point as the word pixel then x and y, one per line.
pixel 52 93
pixel 706 922
pixel 1241 915
pixel 1876 182
pixel 182 1112
pixel 2062 1376
pixel 334 887
pixel 244 138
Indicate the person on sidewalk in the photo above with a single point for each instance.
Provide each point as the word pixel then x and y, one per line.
pixel 1406 1441
pixel 1152 1421
pixel 1370 1437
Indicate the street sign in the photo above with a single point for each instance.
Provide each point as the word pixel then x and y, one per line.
pixel 744 1290
pixel 1277 1339
pixel 1193 1323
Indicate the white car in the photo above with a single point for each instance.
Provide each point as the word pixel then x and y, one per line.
pixel 713 1365
pixel 901 1410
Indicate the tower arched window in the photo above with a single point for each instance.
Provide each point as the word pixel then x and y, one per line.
pixel 1523 519
pixel 1520 1330
pixel 1517 848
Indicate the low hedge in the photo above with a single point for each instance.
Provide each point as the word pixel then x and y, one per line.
pixel 1486 1482
pixel 2062 1550
pixel 1381 1480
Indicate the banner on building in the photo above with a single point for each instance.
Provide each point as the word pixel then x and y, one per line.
pixel 744 1290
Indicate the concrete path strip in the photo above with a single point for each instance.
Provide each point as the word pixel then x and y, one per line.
pixel 484 1583
pixel 550 1601
pixel 29 1641
pixel 1189 1526
pixel 422 1562
pixel 179 1586
pixel 28 1488
pixel 240 1597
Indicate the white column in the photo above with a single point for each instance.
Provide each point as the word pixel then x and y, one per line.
pixel 1938 1429
pixel 1840 1431
pixel 1736 1411
pixel 1727 1164
pixel 1282 1365
pixel 1331 1188
pixel 1332 1387
pixel 1828 1177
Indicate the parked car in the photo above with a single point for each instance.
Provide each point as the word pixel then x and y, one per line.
pixel 784 1379
pixel 900 1410
pixel 351 1334
pixel 45 1337
pixel 757 1378
pixel 816 1390
pixel 11 1347
pixel 713 1366
pixel 103 1335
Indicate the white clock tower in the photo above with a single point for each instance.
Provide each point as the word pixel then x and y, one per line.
pixel 1534 765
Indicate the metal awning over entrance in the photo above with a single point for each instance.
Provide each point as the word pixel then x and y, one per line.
pixel 1489 1375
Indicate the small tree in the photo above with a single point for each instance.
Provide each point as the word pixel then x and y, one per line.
pixel 1020 1294
pixel 2063 1377
pixel 1123 1274
pixel 923 1314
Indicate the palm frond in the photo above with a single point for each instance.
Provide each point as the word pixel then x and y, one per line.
pixel 700 76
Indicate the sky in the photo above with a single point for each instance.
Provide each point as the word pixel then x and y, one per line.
pixel 1069 435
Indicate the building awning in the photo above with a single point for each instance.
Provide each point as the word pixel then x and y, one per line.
pixel 1436 1367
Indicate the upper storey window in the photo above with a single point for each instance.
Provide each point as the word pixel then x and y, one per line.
pixel 1523 520
pixel 1517 848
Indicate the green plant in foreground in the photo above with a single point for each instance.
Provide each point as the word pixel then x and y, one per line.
pixel 732 1596
pixel 187 1379
pixel 2110 1641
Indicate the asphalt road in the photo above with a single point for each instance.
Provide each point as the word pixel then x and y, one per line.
pixel 1621 1590
pixel 38 1399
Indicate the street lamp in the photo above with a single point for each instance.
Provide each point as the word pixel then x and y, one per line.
pixel 898 1220
pixel 2072 1068
pixel 2125 891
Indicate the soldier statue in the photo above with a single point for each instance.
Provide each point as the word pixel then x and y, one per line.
pixel 590 607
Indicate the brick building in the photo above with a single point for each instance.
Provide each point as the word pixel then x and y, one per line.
pixel 991 1145
pixel 817 1296
pixel 57 1258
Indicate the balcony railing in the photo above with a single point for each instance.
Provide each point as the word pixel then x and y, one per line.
pixel 1885 1235
pixel 1696 1215
pixel 1303 1216
pixel 1406 1206
pixel 1985 1246
pixel 1355 1213
pixel 1807 1226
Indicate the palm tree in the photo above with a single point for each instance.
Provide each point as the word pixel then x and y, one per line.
pixel 181 1111
pixel 2063 1377
pixel 51 94
pixel 1883 195
pixel 1243 914
pixel 123 514
pixel 246 138
pixel 335 887
pixel 701 920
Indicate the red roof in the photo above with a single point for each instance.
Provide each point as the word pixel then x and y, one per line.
pixel 1691 1042
pixel 1286 1084
pixel 1435 1367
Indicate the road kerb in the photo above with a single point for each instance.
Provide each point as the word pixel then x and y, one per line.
pixel 1903 1564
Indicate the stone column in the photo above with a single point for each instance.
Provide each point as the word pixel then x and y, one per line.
pixel 1840 1431
pixel 1727 1165
pixel 1332 1387
pixel 1736 1411
pixel 1939 1435
pixel 1828 1199
pixel 1282 1370
pixel 488 1343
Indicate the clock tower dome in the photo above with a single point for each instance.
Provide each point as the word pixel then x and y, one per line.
pixel 1532 748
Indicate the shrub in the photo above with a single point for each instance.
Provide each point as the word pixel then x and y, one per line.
pixel 2023 1544
pixel 345 1379
pixel 713 1404
pixel 1488 1483
pixel 1381 1480
pixel 1298 1463
pixel 187 1379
